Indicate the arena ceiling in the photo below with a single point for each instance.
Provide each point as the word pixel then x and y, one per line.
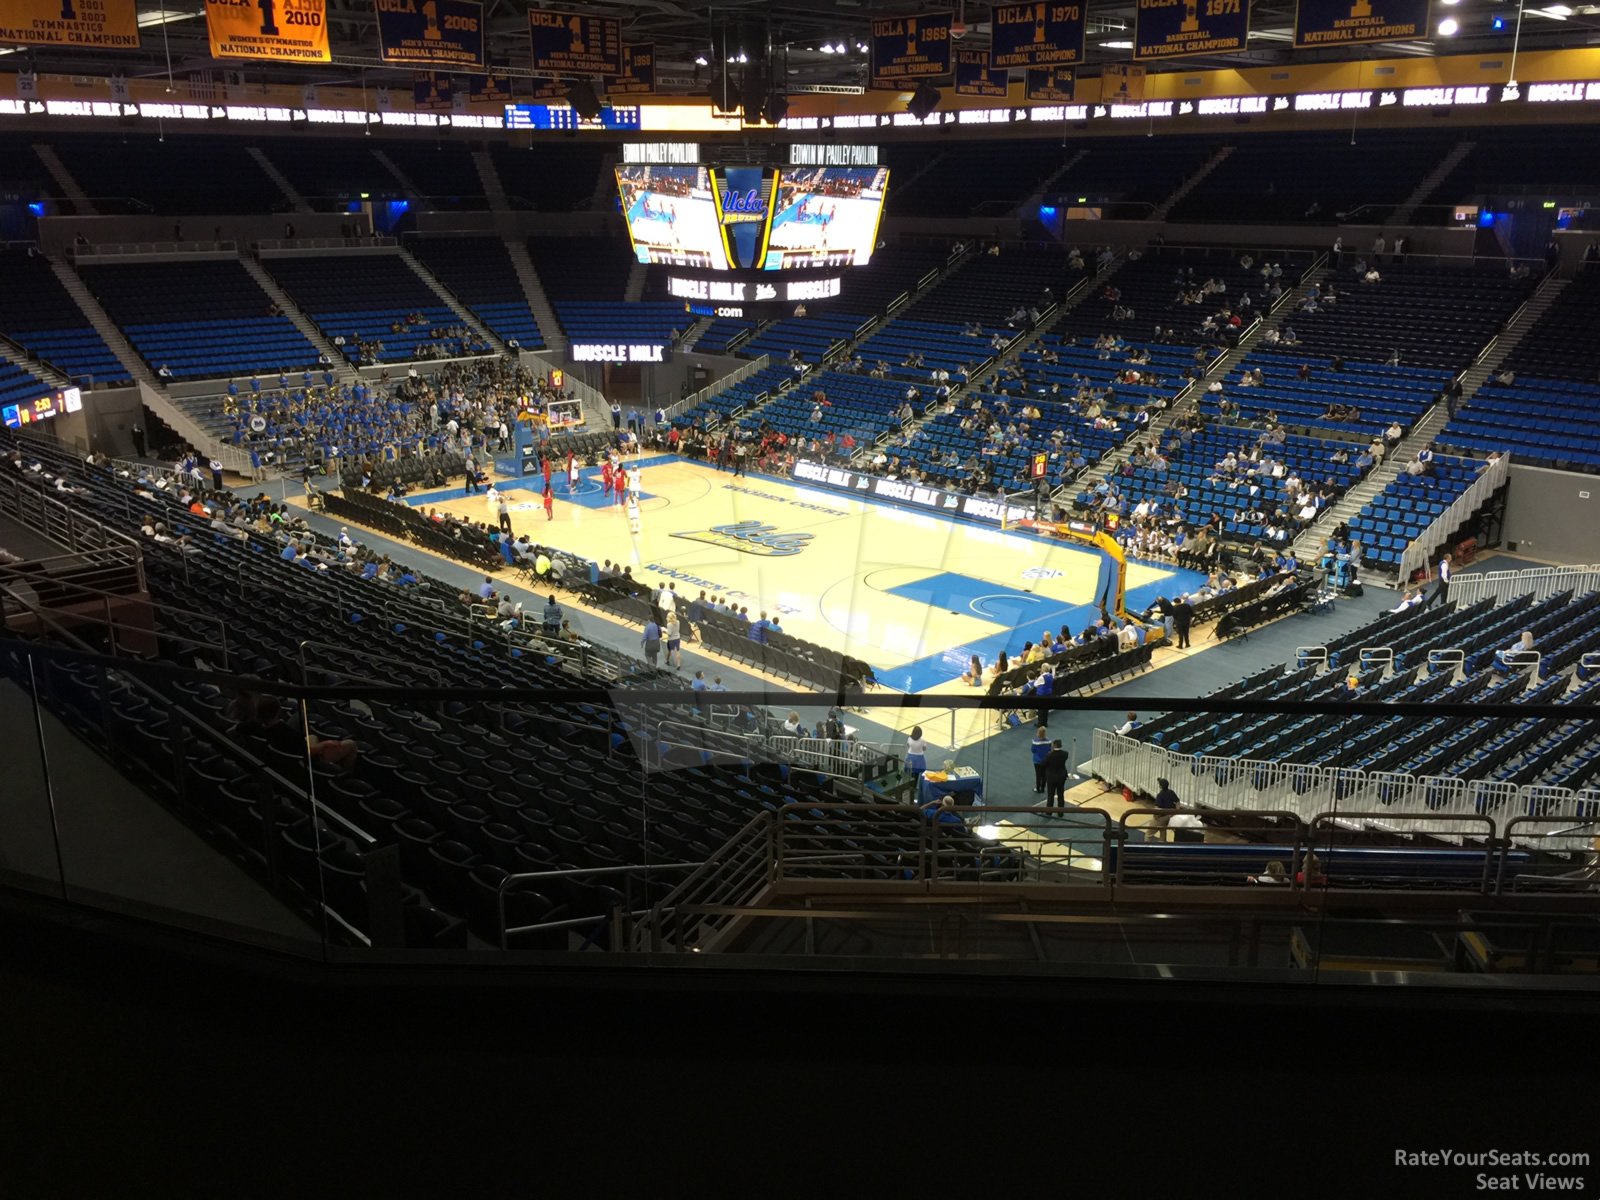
pixel 814 42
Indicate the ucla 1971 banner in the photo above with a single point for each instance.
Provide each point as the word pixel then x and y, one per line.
pixel 97 24
pixel 1350 22
pixel 1051 85
pixel 446 32
pixel 1036 35
pixel 638 76
pixel 907 50
pixel 1175 28
pixel 575 43
pixel 275 30
pixel 975 77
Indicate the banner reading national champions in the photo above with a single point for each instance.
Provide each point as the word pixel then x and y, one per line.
pixel 98 25
pixel 1352 22
pixel 575 43
pixel 274 30
pixel 1050 85
pixel 1175 28
pixel 638 76
pixel 1036 35
pixel 907 50
pixel 444 32
pixel 975 77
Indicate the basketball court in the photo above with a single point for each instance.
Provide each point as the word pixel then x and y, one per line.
pixel 911 593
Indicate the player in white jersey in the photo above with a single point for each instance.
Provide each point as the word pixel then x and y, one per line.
pixel 633 511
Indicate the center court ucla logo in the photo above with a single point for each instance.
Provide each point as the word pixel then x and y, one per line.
pixel 751 537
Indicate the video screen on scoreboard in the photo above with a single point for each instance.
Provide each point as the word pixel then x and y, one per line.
pixel 29 412
pixel 672 216
pixel 826 217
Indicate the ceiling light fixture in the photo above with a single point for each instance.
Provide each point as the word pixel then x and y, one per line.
pixel 1558 10
pixel 164 16
pixel 1449 27
pixel 826 48
pixel 700 60
pixel 1117 45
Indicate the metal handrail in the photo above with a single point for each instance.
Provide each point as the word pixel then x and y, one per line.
pixel 510 882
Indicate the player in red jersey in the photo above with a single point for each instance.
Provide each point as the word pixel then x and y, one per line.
pixel 549 503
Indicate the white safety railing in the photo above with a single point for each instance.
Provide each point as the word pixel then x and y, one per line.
pixel 1260 785
pixel 844 758
pixel 1419 554
pixel 720 385
pixel 1537 583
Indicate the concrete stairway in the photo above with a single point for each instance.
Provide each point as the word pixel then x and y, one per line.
pixel 692 334
pixel 448 297
pixel 185 426
pixel 1494 355
pixel 1188 185
pixel 342 369
pixel 64 180
pixel 400 177
pixel 489 178
pixel 15 353
pixel 634 292
pixel 1045 184
pixel 103 324
pixel 1402 215
pixel 279 178
pixel 555 339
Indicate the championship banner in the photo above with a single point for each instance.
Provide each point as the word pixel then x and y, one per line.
pixel 548 89
pixel 1036 35
pixel 1051 85
pixel 575 44
pixel 431 90
pixel 446 32
pixel 1175 28
pixel 638 76
pixel 274 30
pixel 907 50
pixel 1351 22
pixel 96 24
pixel 974 77
pixel 493 88
pixel 1121 83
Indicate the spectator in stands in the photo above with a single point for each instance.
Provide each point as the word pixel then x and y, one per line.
pixel 916 757
pixel 1129 725
pixel 1055 775
pixel 1516 654
pixel 651 641
pixel 1166 801
pixel 1274 873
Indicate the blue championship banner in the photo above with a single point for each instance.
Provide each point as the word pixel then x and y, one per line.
pixel 448 33
pixel 1036 35
pixel 575 44
pixel 638 76
pixel 1351 22
pixel 1174 28
pixel 907 50
pixel 974 76
pixel 1051 85
pixel 493 88
pixel 431 90
pixel 547 89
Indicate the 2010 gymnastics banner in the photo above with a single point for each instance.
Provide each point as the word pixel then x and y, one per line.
pixel 275 30
pixel 1044 34
pixel 907 50
pixel 1175 28
pixel 1352 22
pixel 96 24
pixel 445 32
pixel 575 43
pixel 975 77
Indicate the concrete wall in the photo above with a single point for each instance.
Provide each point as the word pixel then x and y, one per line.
pixel 105 424
pixel 56 233
pixel 1554 515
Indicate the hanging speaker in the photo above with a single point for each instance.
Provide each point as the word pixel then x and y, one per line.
pixel 753 95
pixel 923 101
pixel 581 96
pixel 777 107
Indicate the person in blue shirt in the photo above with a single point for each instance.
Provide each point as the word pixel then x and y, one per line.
pixel 289 552
pixel 1040 747
pixel 406 577
pixel 552 618
pixel 370 571
pixel 698 686
pixel 758 630
pixel 1044 687
pixel 651 642
pixel 486 588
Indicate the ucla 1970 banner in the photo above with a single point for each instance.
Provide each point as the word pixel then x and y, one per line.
pixel 1044 34
pixel 1175 28
pixel 448 33
pixel 907 50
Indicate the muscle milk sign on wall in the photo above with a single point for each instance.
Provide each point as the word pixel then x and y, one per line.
pixel 273 30
pixel 448 33
pixel 95 24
